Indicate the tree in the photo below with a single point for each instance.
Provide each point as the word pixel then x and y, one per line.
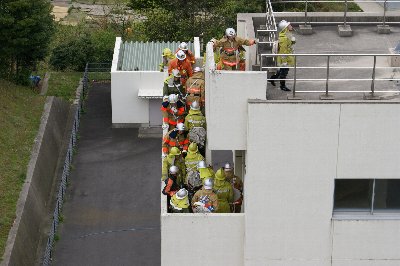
pixel 26 28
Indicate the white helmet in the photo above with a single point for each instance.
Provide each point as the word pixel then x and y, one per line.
pixel 181 55
pixel 197 69
pixel 180 126
pixel 181 194
pixel 283 25
pixel 230 32
pixel 173 98
pixel 201 165
pixel 195 105
pixel 176 73
pixel 228 167
pixel 208 183
pixel 173 170
pixel 183 46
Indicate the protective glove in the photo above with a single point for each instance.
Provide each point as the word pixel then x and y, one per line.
pixel 293 40
pixel 284 64
pixel 163 155
pixel 165 126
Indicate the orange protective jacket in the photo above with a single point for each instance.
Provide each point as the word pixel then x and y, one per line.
pixel 189 56
pixel 184 67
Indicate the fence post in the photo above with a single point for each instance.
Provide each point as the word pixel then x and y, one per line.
pixel 327 96
pixel 305 15
pixel 294 97
pixel 384 13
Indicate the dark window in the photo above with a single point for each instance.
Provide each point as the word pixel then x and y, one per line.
pixel 367 195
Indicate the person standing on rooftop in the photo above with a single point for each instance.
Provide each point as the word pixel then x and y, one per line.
pixel 285 46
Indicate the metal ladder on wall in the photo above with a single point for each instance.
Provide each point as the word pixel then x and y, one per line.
pixel 266 34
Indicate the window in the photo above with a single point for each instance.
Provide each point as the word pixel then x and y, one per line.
pixel 367 195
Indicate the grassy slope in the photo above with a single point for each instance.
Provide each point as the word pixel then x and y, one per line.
pixel 64 84
pixel 20 112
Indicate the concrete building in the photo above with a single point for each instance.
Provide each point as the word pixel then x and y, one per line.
pixel 322 182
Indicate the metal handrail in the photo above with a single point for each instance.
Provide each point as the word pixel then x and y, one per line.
pixel 327 79
pixel 345 22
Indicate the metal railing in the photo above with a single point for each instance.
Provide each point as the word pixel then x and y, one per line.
pixel 269 28
pixel 345 11
pixel 328 67
pixel 66 172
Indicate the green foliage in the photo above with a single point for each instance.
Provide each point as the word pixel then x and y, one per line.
pixel 182 20
pixel 145 4
pixel 64 84
pixel 26 28
pixel 75 46
pixel 315 7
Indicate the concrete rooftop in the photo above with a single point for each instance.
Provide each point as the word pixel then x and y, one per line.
pixel 325 40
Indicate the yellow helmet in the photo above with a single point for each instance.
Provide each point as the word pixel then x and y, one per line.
pixel 174 151
pixel 220 174
pixel 167 52
pixel 193 148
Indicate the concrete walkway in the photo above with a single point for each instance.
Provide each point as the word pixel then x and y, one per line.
pixel 112 210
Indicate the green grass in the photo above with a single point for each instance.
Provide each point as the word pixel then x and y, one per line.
pixel 20 112
pixel 64 84
pixel 316 7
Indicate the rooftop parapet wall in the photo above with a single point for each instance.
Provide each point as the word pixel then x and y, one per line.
pixel 227 93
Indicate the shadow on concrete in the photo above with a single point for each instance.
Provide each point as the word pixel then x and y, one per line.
pixel 112 210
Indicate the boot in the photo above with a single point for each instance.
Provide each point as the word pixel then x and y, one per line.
pixel 283 86
pixel 274 76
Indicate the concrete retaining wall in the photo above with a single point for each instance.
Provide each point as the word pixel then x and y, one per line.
pixel 33 207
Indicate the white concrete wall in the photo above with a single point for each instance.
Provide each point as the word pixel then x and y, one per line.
pixel 227 93
pixel 291 162
pixel 201 239
pixel 366 242
pixel 294 153
pixel 127 108
pixel 369 141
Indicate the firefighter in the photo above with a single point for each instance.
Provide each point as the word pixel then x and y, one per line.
pixel 205 200
pixel 177 137
pixel 286 41
pixel 183 65
pixel 195 123
pixel 174 158
pixel 195 88
pixel 189 55
pixel 230 44
pixel 205 172
pixel 172 84
pixel 167 56
pixel 192 159
pixel 171 183
pixel 173 111
pixel 224 191
pixel 180 202
pixel 237 184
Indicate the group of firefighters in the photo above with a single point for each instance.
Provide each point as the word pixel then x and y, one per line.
pixel 190 184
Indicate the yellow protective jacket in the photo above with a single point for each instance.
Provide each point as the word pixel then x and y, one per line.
pixel 285 47
pixel 173 87
pixel 224 191
pixel 168 162
pixel 191 161
pixel 206 173
pixel 179 205
pixel 195 118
